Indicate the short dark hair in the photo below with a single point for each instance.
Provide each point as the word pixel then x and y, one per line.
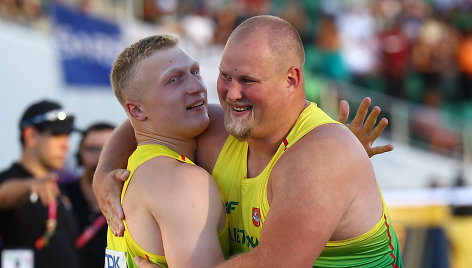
pixel 46 115
pixel 94 127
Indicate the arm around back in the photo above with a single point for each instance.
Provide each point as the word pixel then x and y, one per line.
pixel 107 180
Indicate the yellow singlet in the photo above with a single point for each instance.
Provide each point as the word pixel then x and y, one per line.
pixel 119 248
pixel 247 205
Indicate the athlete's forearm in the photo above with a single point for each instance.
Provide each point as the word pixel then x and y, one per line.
pixel 106 186
pixel 117 150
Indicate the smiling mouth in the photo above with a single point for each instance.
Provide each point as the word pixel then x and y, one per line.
pixel 198 104
pixel 241 108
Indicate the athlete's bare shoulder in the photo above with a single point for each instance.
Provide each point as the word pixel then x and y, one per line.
pixel 331 164
pixel 165 184
pixel 176 200
pixel 167 173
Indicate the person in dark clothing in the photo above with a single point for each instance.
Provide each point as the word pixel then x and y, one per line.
pixel 92 226
pixel 33 213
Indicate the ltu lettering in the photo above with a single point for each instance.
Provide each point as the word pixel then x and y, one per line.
pixel 239 236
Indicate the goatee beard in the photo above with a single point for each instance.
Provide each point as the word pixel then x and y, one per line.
pixel 238 128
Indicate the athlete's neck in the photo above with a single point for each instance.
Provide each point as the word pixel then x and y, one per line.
pixel 183 147
pixel 270 140
pixel 262 149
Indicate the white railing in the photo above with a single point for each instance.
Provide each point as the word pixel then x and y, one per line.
pixel 399 112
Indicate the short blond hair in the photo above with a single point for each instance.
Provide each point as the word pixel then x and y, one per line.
pixel 125 67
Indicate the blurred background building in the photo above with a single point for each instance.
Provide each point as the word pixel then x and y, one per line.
pixel 412 57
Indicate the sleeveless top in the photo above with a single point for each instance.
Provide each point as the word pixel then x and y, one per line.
pixel 247 205
pixel 126 243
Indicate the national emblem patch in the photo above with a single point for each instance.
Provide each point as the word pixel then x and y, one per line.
pixel 256 217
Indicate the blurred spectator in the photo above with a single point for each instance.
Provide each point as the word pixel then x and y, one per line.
pixel 359 45
pixel 395 57
pixel 294 13
pixel 432 54
pixel 198 25
pixel 402 48
pixel 224 25
pixel 27 12
pixel 255 7
pixel 10 10
pixel 155 10
pixel 427 125
pixel 33 9
pixel 92 227
pixel 45 226
pixel 323 56
pixel 464 55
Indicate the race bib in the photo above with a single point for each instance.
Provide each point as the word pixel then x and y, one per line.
pixel 17 258
pixel 115 259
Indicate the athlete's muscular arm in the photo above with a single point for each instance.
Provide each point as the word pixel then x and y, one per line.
pixel 184 204
pixel 109 176
pixel 314 194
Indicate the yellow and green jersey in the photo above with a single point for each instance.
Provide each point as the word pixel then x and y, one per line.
pixel 119 248
pixel 247 205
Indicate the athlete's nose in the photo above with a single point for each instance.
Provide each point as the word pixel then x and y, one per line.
pixel 234 91
pixel 196 85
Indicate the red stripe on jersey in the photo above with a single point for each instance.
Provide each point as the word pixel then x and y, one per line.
pixel 285 143
pixel 390 243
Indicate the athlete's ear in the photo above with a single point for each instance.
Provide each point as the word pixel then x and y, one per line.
pixel 135 110
pixel 294 78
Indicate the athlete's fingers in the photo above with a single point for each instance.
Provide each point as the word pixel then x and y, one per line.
pixel 121 174
pixel 343 111
pixel 381 149
pixel 114 215
pixel 371 119
pixel 361 111
pixel 108 197
pixel 378 130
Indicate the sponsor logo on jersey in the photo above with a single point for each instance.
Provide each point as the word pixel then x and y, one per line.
pixel 231 205
pixel 114 259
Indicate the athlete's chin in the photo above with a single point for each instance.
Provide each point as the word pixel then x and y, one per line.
pixel 239 131
pixel 199 126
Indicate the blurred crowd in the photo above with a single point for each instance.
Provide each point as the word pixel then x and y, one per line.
pixel 416 50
